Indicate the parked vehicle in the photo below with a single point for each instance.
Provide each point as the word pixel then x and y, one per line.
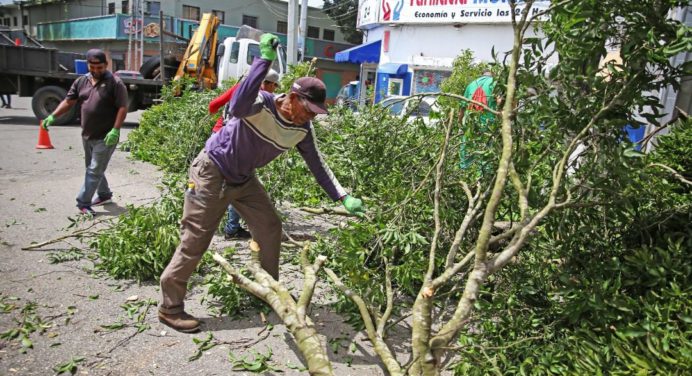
pixel 46 74
pixel 411 107
pixel 348 95
pixel 128 74
pixel 238 54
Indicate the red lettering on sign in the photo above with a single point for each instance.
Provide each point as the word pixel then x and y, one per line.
pixel 386 10
pixel 422 3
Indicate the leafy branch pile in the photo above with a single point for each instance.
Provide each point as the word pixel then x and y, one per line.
pixel 545 246
pixel 603 288
pixel 561 175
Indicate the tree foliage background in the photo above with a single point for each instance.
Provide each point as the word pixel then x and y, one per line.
pixel 345 14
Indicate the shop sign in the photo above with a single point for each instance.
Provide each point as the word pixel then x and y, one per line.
pixel 368 13
pixel 132 25
pixel 451 11
pixel 151 30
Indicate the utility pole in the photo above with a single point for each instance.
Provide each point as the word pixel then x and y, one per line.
pixel 141 35
pixel 291 57
pixel 21 15
pixel 130 62
pixel 303 27
pixel 162 63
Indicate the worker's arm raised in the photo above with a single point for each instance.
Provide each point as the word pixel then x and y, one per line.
pixel 247 94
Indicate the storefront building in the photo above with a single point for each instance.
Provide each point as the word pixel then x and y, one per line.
pixel 409 45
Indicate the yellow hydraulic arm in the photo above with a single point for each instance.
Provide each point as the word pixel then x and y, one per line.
pixel 200 57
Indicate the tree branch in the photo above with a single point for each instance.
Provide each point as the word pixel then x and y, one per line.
pixel 438 189
pixel 558 173
pixel 381 348
pixel 79 233
pixel 470 217
pixel 672 171
pixel 280 300
pixel 480 270
pixel 382 324
pixel 521 191
pixel 324 210
pixel 460 97
pixel 310 280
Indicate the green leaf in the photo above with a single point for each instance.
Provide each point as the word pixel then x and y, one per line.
pixel 631 153
pixel 26 342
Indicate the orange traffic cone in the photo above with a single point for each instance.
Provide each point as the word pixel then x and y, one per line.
pixel 43 138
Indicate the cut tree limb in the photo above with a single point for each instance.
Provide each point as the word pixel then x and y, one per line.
pixel 292 314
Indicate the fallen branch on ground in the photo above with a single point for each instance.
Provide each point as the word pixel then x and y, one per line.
pixel 79 233
pixel 293 314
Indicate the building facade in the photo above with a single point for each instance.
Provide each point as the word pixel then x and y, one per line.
pixel 410 45
pixel 118 26
pixel 266 15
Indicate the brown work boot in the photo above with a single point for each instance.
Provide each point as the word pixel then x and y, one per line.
pixel 181 322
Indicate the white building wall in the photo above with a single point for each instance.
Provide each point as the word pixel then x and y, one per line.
pixel 438 45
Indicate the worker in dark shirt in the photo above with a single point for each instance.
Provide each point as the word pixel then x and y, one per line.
pixel 262 127
pixel 103 100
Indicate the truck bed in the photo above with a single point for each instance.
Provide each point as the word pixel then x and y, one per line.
pixel 48 63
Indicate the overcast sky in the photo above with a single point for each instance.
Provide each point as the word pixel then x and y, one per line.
pixel 312 3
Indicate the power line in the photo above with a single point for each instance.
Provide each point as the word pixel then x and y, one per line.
pixel 275 12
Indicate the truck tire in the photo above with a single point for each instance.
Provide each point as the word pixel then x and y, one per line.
pixel 132 102
pixel 151 70
pixel 47 99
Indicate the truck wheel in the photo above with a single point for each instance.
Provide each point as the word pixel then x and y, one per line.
pixel 132 102
pixel 151 70
pixel 47 99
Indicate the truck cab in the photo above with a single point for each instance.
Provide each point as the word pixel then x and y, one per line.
pixel 236 55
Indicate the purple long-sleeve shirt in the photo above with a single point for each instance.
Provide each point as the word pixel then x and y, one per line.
pixel 257 134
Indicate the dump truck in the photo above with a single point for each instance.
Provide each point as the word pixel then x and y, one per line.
pixel 46 74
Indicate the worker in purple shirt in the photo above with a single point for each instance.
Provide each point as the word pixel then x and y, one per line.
pixel 261 128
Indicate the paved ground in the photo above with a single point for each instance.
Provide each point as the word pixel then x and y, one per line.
pixel 37 190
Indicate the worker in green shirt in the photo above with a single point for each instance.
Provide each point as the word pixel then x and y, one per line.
pixel 479 90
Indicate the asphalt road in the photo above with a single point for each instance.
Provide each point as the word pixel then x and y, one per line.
pixel 37 195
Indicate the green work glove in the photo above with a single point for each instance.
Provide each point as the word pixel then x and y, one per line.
pixel 353 205
pixel 47 122
pixel 268 44
pixel 112 137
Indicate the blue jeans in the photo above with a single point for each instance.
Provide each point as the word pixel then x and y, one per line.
pixel 96 158
pixel 233 222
